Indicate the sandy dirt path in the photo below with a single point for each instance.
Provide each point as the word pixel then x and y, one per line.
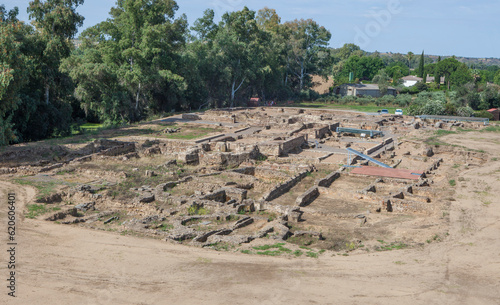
pixel 59 264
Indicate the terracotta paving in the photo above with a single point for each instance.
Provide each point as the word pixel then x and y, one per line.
pixel 388 172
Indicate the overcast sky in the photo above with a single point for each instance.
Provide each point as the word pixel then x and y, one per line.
pixel 440 27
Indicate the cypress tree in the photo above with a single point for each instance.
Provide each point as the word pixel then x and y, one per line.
pixel 421 66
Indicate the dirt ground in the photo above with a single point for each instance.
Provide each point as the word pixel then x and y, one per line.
pixel 83 266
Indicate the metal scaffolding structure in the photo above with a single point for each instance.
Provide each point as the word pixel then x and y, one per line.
pixel 372 133
pixel 446 118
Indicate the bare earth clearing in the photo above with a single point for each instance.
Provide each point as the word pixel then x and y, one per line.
pixel 451 253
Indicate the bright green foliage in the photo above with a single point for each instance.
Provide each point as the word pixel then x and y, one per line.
pixel 455 72
pixel 364 67
pixel 307 49
pixel 127 63
pixel 56 22
pixel 396 71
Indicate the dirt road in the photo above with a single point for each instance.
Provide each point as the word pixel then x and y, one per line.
pixel 57 264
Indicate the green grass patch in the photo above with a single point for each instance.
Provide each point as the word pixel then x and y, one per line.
pixel 312 254
pixel 165 227
pixel 35 210
pixel 267 249
pixel 91 126
pixel 44 188
pixel 442 132
pixel 192 132
pixel 196 210
pixel 391 246
pixel 452 182
pixel 491 128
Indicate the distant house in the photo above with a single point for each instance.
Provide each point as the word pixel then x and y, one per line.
pixel 253 102
pixel 496 113
pixel 363 89
pixel 411 80
pixel 430 79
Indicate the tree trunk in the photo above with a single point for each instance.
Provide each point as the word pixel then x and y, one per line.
pixel 234 90
pixel 137 98
pixel 47 94
pixel 301 77
pixel 232 94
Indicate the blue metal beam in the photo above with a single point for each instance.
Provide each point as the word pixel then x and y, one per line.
pixel 350 150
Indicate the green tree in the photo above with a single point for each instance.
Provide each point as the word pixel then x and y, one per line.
pixel 421 67
pixel 409 56
pixel 56 22
pixel 128 63
pixel 496 79
pixel 447 68
pixel 307 55
pixel 13 72
pixel 382 79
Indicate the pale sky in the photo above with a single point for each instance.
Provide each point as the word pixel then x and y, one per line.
pixel 440 27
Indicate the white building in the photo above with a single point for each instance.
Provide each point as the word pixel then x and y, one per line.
pixel 411 80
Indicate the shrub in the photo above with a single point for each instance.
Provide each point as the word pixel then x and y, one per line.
pixel 385 100
pixel 435 107
pixel 403 100
pixel 348 99
pixel 465 111
pixel 484 114
pixel 365 100
pixel 414 109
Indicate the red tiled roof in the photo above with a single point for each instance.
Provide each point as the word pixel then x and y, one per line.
pixel 492 109
pixel 388 172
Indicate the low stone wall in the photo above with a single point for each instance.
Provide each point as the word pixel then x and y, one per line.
pixel 218 195
pixel 51 167
pixel 274 149
pixel 434 166
pixel 209 138
pixel 320 133
pixel 174 147
pixel 245 170
pixel 333 127
pixel 309 196
pixel 279 190
pixel 192 156
pixel 328 180
pixel 227 159
pixel 404 206
pixel 119 150
pixel 379 146
pixel 235 193
pixel 294 143
pixel 190 116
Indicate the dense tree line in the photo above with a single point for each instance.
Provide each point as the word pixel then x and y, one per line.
pixel 145 59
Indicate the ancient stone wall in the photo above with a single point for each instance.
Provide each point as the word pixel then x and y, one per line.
pixel 274 149
pixel 307 197
pixel 227 159
pixel 279 190
pixel 119 150
pixel 293 143
pixel 328 180
pixel 373 149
